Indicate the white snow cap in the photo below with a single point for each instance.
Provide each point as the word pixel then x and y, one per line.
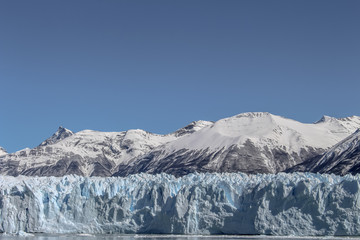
pixel 266 129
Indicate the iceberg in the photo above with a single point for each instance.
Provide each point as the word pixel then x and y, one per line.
pixel 208 203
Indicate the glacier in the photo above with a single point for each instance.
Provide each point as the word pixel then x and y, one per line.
pixel 201 203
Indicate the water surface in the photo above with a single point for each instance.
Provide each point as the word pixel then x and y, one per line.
pixel 162 237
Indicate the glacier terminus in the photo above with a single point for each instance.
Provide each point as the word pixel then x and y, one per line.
pixel 206 203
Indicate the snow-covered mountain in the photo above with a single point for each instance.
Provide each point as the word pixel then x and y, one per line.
pixel 248 142
pixel 59 135
pixel 341 159
pixel 88 153
pixel 2 151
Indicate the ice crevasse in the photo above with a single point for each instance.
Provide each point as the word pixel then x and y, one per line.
pixel 229 203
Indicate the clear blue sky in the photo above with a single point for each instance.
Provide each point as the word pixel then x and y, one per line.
pixel 158 65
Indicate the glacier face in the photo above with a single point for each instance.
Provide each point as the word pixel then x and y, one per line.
pixel 228 203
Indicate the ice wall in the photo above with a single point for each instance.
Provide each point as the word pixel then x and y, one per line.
pixel 283 204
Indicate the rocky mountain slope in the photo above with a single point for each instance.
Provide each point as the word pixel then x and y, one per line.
pixel 341 159
pixel 248 142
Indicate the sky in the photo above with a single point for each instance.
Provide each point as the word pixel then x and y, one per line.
pixel 158 65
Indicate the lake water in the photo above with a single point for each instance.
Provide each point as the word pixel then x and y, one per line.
pixel 162 237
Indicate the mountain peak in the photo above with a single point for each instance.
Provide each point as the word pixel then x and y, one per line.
pixel 2 151
pixel 59 135
pixel 192 127
pixel 326 118
pixel 62 130
pixel 253 114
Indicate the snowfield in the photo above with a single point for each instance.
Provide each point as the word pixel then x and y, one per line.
pixel 228 203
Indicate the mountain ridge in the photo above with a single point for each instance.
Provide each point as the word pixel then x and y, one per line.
pixel 341 159
pixel 86 152
pixel 253 142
